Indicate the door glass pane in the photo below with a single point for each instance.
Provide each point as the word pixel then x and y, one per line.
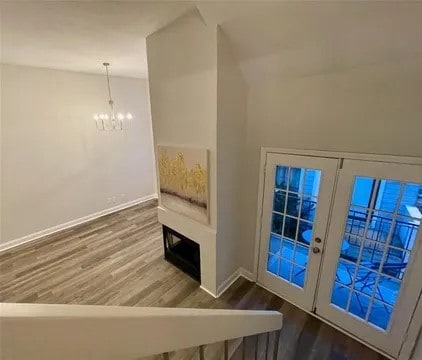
pixel 311 183
pixel 294 210
pixel 277 224
pixel 281 177
pixel 379 235
pixel 287 250
pixel 362 191
pixel 273 263
pixel 295 179
pixel 279 200
pixel 285 270
pixel 290 227
pixel 342 295
pixel 388 203
pixel 298 276
pixel 293 203
pixel 307 208
pixel 275 244
pixel 359 304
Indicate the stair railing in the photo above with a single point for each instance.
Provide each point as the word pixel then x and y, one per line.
pixel 70 332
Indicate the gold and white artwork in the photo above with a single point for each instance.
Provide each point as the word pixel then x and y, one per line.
pixel 183 175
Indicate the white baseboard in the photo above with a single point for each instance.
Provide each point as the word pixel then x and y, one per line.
pixel 209 292
pixel 31 237
pixel 228 282
pixel 240 272
pixel 248 275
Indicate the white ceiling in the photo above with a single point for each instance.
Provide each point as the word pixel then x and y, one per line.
pixel 270 39
pixel 80 36
pixel 275 40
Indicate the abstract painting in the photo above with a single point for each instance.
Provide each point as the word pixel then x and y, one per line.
pixel 183 175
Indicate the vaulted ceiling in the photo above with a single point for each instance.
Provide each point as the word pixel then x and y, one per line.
pixel 80 36
pixel 285 39
pixel 269 38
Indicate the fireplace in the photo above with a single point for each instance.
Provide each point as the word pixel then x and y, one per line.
pixel 182 252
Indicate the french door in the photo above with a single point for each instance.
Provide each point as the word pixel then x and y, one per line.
pixel 371 272
pixel 344 242
pixel 296 205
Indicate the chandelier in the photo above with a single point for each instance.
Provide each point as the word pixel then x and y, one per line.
pixel 111 120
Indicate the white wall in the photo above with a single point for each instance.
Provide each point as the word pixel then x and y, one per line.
pixel 231 136
pixel 417 355
pixel 56 167
pixel 1 126
pixel 182 67
pixel 371 109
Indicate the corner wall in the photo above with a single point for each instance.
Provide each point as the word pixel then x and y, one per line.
pixel 367 109
pixel 56 166
pixel 182 66
pixel 231 144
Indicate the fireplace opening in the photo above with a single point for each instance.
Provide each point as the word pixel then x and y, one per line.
pixel 182 252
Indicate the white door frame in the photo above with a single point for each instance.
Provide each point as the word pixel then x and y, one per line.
pixel 413 330
pixel 410 288
pixel 303 297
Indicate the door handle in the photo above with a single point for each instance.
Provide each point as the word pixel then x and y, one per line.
pixel 318 240
pixel 316 250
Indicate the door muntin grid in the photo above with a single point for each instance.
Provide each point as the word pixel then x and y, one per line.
pixel 295 202
pixel 379 235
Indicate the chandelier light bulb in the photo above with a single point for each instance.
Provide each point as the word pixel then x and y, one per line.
pixel 101 116
pixel 129 116
pixel 96 117
pixel 120 116
pixel 105 116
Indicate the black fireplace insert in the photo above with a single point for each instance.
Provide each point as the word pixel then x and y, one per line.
pixel 182 252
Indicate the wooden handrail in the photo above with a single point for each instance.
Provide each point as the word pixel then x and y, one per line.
pixel 41 331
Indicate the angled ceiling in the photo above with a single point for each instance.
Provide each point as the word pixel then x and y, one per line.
pixel 270 39
pixel 275 40
pixel 80 36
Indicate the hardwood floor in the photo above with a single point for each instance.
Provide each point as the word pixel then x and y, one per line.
pixel 118 260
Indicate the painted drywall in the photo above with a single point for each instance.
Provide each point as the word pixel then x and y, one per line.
pixel 1 126
pixel 370 108
pixel 231 135
pixel 70 35
pixel 56 166
pixel 417 354
pixel 182 67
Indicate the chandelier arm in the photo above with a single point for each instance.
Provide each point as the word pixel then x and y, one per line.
pixel 104 121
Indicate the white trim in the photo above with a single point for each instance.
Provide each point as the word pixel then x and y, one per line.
pixel 298 295
pixel 196 231
pixel 247 274
pixel 54 229
pixel 228 282
pixel 259 212
pixel 413 335
pixel 240 272
pixel 411 160
pixel 209 292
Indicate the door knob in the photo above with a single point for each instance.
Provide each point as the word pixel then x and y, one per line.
pixel 316 250
pixel 318 240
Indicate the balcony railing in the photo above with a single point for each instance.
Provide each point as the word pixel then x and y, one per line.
pixel 403 235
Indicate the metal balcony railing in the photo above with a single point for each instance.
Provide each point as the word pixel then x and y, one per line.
pixel 404 232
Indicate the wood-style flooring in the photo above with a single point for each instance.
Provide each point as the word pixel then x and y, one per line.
pixel 118 260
